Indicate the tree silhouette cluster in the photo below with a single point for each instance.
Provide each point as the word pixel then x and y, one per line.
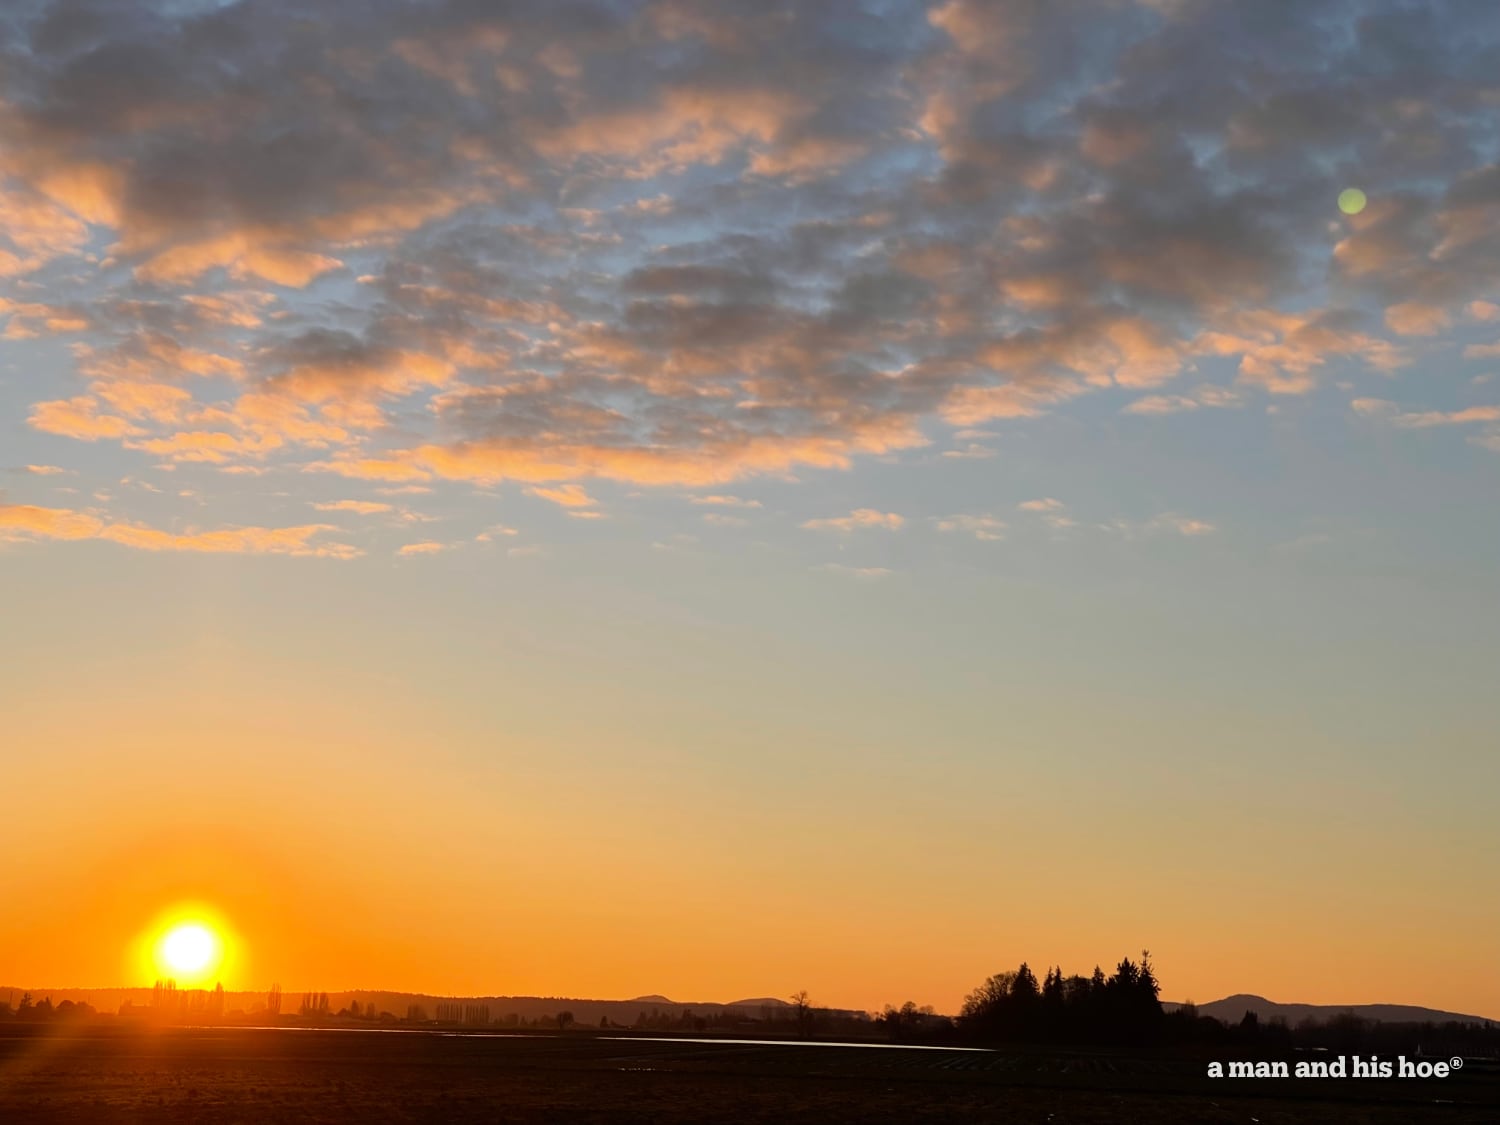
pixel 31 1009
pixel 911 1022
pixel 1344 1033
pixel 1015 1007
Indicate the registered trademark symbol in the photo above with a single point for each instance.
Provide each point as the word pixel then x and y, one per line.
pixel 1455 1063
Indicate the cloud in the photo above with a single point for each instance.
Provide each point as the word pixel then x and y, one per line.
pixel 1045 504
pixel 1204 395
pixel 679 247
pixel 567 495
pixel 982 527
pixel 724 501
pixel 26 521
pixel 370 468
pixel 17 520
pixel 79 418
pixel 1385 411
pixel 1411 318
pixel 1182 525
pixel 426 547
pixel 363 507
pixel 859 518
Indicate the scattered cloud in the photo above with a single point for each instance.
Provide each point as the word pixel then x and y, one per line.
pixel 683 249
pixel 1386 411
pixel 859 518
pixel 29 522
pixel 567 495
pixel 980 526
pixel 1205 395
pixel 1182 525
pixel 725 501
pixel 363 507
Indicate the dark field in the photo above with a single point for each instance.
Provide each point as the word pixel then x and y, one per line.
pixel 252 1075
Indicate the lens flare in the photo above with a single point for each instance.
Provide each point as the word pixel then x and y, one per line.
pixel 1351 201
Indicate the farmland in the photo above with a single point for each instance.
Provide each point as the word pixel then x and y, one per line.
pixel 281 1075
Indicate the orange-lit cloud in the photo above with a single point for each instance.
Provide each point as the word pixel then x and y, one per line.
pixel 31 522
pixel 567 495
pixel 79 418
pixel 859 518
pixel 363 507
pixel 426 547
pixel 993 270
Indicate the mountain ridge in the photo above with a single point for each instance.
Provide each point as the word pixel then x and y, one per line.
pixel 1232 1009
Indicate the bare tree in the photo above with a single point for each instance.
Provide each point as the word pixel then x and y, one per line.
pixel 803 1013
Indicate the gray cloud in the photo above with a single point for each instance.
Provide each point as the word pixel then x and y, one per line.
pixel 679 245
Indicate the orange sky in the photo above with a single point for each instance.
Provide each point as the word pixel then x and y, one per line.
pixel 413 852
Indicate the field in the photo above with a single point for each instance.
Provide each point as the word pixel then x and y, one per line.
pixel 264 1075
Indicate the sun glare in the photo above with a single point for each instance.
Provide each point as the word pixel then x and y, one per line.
pixel 188 946
pixel 188 949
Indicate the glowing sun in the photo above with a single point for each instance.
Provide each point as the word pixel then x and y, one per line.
pixel 189 951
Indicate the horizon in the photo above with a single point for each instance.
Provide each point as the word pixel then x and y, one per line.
pixel 854 496
pixel 39 992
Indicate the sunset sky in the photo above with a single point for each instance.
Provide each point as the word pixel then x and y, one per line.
pixel 722 498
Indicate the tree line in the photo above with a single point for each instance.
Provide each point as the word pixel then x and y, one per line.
pixel 1015 1007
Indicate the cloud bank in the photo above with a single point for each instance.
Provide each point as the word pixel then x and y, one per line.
pixel 676 245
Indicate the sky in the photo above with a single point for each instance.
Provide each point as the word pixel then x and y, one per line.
pixel 598 498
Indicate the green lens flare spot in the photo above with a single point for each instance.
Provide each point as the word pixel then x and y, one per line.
pixel 1352 201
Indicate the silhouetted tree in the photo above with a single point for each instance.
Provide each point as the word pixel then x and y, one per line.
pixel 563 1020
pixel 803 1012
pixel 1013 1006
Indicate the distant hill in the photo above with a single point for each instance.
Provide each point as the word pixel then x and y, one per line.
pixel 624 1013
pixel 1232 1009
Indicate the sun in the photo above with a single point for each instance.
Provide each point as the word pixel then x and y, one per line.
pixel 188 949
pixel 189 946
